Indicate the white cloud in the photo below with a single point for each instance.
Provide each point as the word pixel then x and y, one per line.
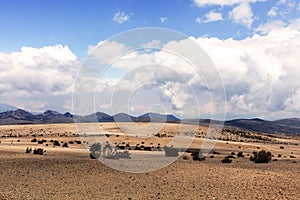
pixel 211 16
pixel 273 12
pixel 298 6
pixel 163 19
pixel 260 74
pixel 121 17
pixel 270 26
pixel 202 3
pixel 198 20
pixel 34 78
pixel 242 14
pixel 109 50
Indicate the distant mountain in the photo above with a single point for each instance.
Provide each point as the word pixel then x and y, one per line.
pixel 293 122
pixel 6 107
pixel 51 116
pixel 155 117
pixel 16 117
pixel 123 117
pixel 19 116
pixel 287 126
pixel 95 117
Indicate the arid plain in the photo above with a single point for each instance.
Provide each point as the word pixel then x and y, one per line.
pixel 69 173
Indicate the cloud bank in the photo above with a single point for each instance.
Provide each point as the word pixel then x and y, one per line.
pixel 260 73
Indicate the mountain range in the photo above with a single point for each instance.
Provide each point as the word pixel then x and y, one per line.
pixel 19 116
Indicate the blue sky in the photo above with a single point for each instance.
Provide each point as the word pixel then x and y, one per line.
pixel 254 45
pixel 81 23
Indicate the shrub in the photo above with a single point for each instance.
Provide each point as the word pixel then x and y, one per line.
pixel 71 142
pixel 121 147
pixel 77 141
pixel 197 156
pixel 124 154
pixel 279 156
pixel 215 152
pixel 39 151
pixel 56 143
pixel 230 156
pixel 281 147
pixel 34 140
pixel 171 152
pixel 40 142
pixel 65 145
pixel 137 148
pixel 95 151
pixel 261 157
pixel 185 157
pixel 232 153
pixel 226 160
pixel 240 154
pixel 28 150
pixel 147 148
pixel 292 156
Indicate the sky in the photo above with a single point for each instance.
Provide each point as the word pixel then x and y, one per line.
pixel 254 45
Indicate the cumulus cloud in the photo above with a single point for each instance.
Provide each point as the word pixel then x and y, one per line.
pixel 34 78
pixel 242 14
pixel 211 16
pixel 260 74
pixel 109 51
pixel 202 3
pixel 121 17
pixel 270 26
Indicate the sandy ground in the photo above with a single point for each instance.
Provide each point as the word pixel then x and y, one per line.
pixel 69 173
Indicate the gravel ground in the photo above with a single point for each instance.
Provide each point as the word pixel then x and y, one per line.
pixel 73 175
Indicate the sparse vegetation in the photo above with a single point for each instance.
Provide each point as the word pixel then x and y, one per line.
pixel 240 154
pixel 261 157
pixel 95 151
pixel 171 152
pixel 56 143
pixel 185 157
pixel 28 150
pixel 65 145
pixel 226 160
pixel 197 156
pixel 39 151
pixel 34 140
